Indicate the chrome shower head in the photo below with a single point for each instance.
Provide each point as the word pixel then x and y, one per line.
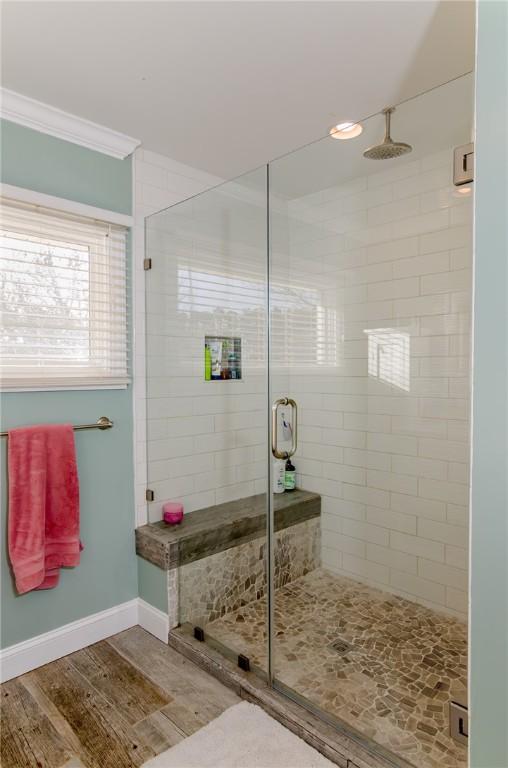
pixel 388 148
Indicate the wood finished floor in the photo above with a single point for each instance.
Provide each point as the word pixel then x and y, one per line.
pixel 115 704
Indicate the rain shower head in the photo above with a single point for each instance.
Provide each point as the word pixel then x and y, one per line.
pixel 388 148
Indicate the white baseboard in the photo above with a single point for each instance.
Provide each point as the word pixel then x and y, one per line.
pixel 153 620
pixel 30 654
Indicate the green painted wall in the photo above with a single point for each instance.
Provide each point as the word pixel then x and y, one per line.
pixel 153 584
pixel 36 161
pixel 489 548
pixel 107 574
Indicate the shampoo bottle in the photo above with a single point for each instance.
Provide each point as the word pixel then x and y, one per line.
pixel 208 363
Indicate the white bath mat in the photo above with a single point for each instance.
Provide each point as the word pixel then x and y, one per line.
pixel 244 736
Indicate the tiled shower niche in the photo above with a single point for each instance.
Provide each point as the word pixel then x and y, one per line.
pixel 223 358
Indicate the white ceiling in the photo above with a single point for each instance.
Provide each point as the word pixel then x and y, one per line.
pixel 227 86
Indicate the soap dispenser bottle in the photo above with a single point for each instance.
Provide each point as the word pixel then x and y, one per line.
pixel 289 476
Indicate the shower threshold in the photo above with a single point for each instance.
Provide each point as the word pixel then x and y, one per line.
pixel 339 743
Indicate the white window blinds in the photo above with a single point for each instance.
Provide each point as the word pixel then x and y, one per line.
pixel 63 299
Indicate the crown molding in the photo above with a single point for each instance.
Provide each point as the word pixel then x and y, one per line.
pixel 55 122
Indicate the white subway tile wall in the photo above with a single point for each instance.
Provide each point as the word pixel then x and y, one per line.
pixel 158 183
pixel 370 313
pixel 372 338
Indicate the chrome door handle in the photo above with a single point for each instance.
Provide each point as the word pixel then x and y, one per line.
pixel 294 428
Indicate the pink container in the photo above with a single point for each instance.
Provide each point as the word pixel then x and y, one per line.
pixel 172 512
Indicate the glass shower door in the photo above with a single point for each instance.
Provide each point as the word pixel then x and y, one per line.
pixel 207 394
pixel 370 309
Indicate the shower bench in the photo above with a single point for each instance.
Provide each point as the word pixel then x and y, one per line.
pixel 216 558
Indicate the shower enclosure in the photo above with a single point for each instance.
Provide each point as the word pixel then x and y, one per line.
pixel 320 307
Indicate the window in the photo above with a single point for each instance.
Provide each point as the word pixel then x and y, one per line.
pixel 63 299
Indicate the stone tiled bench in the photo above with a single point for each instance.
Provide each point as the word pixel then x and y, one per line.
pixel 215 558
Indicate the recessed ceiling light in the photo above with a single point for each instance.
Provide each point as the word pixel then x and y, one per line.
pixel 346 130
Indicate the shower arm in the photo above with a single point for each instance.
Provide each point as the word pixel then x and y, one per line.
pixel 388 119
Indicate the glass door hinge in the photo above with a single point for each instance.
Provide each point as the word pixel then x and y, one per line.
pixel 149 495
pixel 147 264
pixel 459 722
pixel 463 164
pixel 244 662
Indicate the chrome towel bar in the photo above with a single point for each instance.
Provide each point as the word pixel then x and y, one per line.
pixel 102 423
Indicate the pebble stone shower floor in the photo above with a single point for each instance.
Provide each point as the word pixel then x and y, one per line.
pixel 384 665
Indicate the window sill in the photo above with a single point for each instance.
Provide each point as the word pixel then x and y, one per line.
pixel 60 387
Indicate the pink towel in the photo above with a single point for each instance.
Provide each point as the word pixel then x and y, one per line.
pixel 43 528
